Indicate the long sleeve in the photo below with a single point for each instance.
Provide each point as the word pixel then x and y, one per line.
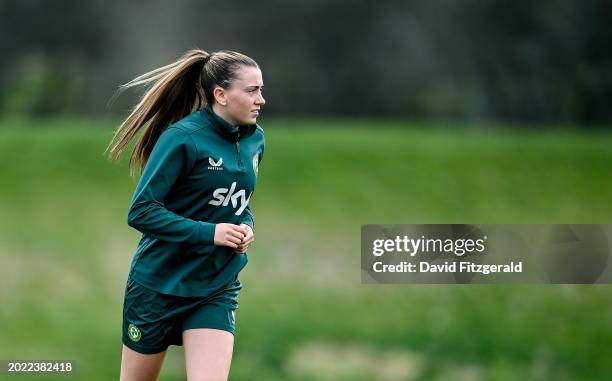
pixel 248 218
pixel 173 154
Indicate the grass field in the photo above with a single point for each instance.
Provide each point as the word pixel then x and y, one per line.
pixel 304 316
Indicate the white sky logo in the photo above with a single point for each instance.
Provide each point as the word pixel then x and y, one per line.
pixel 223 197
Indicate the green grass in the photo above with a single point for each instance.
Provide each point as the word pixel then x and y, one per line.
pixel 65 250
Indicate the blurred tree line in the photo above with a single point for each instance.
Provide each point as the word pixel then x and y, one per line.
pixel 543 61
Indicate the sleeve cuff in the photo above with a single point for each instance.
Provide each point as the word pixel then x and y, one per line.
pixel 250 223
pixel 206 232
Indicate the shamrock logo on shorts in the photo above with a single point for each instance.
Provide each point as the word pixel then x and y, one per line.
pixel 134 333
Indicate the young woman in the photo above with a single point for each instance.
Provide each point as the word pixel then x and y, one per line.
pixel 199 154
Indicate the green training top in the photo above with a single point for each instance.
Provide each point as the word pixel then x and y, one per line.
pixel 201 171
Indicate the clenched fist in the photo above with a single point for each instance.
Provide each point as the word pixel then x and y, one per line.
pixel 248 240
pixel 229 235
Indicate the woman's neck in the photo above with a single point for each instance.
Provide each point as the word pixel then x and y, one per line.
pixel 220 111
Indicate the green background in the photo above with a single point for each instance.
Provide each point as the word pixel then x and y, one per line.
pixel 304 315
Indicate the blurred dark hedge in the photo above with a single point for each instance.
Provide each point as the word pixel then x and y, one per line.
pixel 544 61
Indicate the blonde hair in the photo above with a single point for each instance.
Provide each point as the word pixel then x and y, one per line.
pixel 177 90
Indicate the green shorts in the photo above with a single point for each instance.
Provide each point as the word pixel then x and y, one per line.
pixel 152 321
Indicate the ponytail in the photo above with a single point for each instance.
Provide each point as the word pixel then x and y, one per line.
pixel 178 89
pixel 176 92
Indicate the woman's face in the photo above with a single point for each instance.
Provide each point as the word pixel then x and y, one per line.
pixel 244 97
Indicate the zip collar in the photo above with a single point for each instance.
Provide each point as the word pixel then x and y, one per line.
pixel 226 129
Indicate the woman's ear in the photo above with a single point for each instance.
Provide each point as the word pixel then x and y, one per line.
pixel 219 94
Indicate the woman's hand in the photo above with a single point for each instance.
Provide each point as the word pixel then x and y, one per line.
pixel 248 240
pixel 229 235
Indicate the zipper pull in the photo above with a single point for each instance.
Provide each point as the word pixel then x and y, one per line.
pixel 240 164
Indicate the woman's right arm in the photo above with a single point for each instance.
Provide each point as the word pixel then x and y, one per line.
pixel 173 154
